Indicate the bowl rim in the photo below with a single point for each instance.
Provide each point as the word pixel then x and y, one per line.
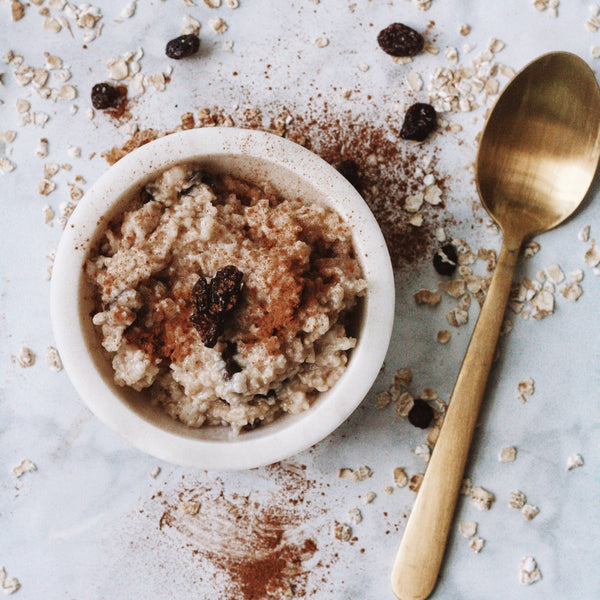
pixel 241 452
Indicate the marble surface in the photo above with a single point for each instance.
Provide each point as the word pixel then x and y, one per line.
pixel 97 520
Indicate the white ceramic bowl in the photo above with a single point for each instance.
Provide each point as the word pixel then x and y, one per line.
pixel 255 156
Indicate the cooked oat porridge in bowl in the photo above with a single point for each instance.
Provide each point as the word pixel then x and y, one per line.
pixel 222 298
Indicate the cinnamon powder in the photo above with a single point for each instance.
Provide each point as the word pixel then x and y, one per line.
pixel 259 545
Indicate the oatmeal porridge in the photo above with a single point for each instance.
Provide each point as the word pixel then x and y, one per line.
pixel 230 305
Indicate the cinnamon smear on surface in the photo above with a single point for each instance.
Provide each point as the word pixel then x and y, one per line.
pixel 258 545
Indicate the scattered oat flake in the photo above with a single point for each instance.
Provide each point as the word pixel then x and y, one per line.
pixel 45 187
pixel 321 42
pixel 404 403
pixel 529 511
pixel 25 357
pixel 457 317
pixel 584 234
pixel 455 287
pixel 341 531
pixel 507 454
pixel 355 516
pixel 368 497
pixel 592 255
pixel 574 461
pixel 128 10
pixel 48 214
pixel 415 81
pixel 517 499
pixel 26 466
pixel 443 336
pixel 429 297
pixel 525 388
pixel 576 275
pixel 53 359
pixel 8 584
pixel 361 473
pixel 528 571
pixel 190 507
pixel 155 472
pixel 423 451
pixel 467 528
pixel 6 165
pixel 481 498
pixel 466 486
pixel 530 249
pixel 555 273
pixel 414 483
pixel 570 291
pixel 477 544
pixel 400 477
pixel 402 378
pixel 382 399
pixel 218 25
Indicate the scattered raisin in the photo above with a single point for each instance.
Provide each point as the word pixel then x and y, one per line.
pixel 445 260
pixel 420 120
pixel 104 96
pixel 421 414
pixel 225 289
pixel 349 169
pixel 183 46
pixel 398 39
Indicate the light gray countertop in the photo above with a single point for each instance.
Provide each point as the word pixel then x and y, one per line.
pixel 96 519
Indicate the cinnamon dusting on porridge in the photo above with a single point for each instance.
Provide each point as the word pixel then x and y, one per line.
pixel 166 312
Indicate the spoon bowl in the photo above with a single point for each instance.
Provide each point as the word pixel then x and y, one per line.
pixel 539 148
pixel 537 158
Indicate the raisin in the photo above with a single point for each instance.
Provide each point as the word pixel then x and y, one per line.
pixel 231 365
pixel 104 96
pixel 445 260
pixel 183 46
pixel 421 414
pixel 398 39
pixel 146 196
pixel 200 295
pixel 225 289
pixel 208 326
pixel 252 425
pixel 200 177
pixel 212 301
pixel 349 169
pixel 420 120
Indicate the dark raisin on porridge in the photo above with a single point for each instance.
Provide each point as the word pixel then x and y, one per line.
pixel 398 39
pixel 213 301
pixel 183 46
pixel 421 414
pixel 419 121
pixel 105 96
pixel 445 259
pixel 228 304
pixel 225 290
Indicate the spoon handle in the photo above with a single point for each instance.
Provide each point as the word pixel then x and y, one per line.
pixel 419 557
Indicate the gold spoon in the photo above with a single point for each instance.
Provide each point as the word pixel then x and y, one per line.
pixel 537 158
